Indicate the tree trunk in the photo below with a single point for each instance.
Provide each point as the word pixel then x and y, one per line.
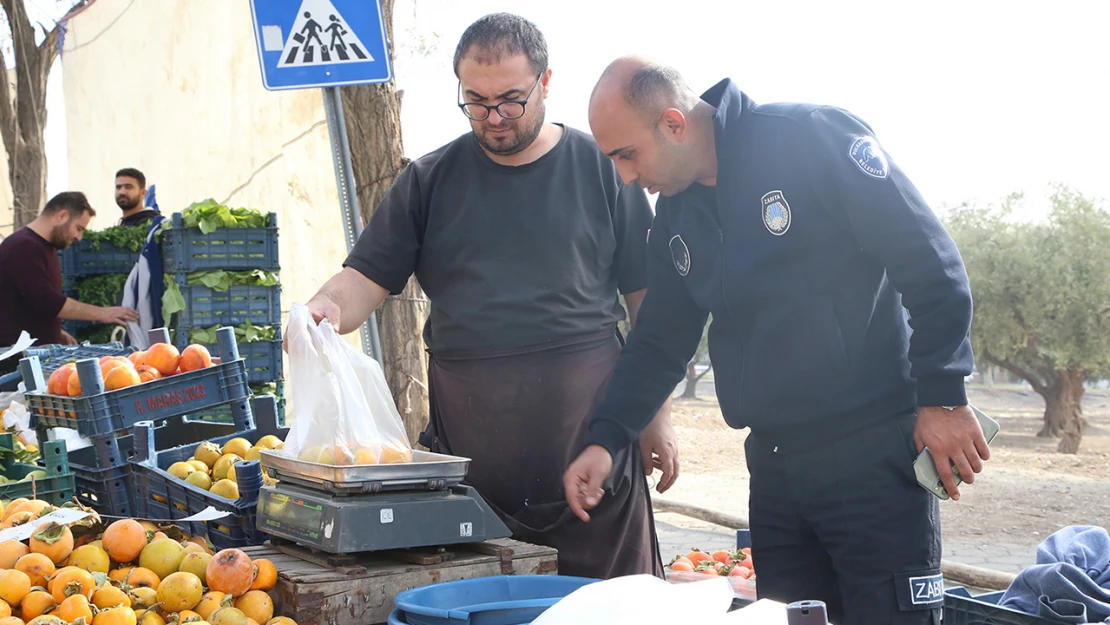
pixel 23 117
pixel 691 391
pixel 1063 413
pixel 373 116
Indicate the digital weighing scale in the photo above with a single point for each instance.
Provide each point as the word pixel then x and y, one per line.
pixel 343 510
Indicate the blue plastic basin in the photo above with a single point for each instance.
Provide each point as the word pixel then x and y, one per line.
pixel 501 600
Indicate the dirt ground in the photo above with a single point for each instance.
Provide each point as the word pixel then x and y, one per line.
pixel 1026 492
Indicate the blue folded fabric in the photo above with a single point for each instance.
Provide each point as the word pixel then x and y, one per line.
pixel 1070 582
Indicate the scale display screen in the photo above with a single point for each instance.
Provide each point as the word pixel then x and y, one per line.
pixel 292 516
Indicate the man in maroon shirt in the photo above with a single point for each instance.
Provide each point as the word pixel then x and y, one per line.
pixel 31 297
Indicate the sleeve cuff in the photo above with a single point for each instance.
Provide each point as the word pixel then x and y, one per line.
pixel 612 436
pixel 941 391
pixel 372 274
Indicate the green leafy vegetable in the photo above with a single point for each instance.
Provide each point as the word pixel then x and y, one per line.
pixel 245 333
pixel 210 215
pixel 130 238
pixel 173 300
pixel 103 290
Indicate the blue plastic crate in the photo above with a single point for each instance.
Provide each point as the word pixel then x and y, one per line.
pixel 263 358
pixel 53 356
pixel 498 600
pixel 205 307
pixel 188 249
pixel 103 470
pixel 160 495
pixel 81 260
pixel 960 608
pixel 99 413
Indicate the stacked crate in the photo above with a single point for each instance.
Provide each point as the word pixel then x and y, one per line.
pixel 106 418
pixel 186 251
pixel 86 260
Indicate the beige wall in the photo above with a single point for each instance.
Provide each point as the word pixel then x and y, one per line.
pixel 173 88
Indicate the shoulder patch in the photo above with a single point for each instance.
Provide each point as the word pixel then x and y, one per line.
pixel 776 212
pixel 869 157
pixel 680 254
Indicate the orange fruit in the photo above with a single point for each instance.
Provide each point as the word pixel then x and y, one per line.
pixel 163 357
pixel 73 608
pixel 257 605
pixel 54 541
pixel 14 586
pixel 115 616
pixel 137 358
pixel 395 453
pixel 37 603
pixel 265 577
pixel 58 384
pixel 70 581
pixel 36 566
pixel 73 385
pixel 121 377
pixel 109 596
pixel 10 552
pixel 195 357
pixel 148 373
pixel 180 591
pixel 124 540
pixel 230 571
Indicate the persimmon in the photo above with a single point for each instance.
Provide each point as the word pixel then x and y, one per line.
pixel 682 565
pixel 73 608
pixel 257 605
pixel 121 377
pixel 724 557
pixel 10 552
pixel 163 357
pixel 195 357
pixel 53 540
pixel 90 557
pixel 58 383
pixel 36 566
pixel 211 601
pixel 124 540
pixel 14 586
pixel 71 581
pixel 137 358
pixel 148 374
pixel 115 616
pixel 230 571
pixel 265 575
pixel 37 603
pixel 697 556
pixel 180 591
pixel 109 596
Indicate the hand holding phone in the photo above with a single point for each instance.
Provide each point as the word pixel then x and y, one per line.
pixel 926 469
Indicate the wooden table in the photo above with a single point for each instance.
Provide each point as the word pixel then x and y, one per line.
pixel 318 589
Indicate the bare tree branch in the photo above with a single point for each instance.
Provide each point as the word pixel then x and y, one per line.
pixel 1034 379
pixel 7 113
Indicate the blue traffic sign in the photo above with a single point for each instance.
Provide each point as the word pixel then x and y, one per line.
pixel 320 43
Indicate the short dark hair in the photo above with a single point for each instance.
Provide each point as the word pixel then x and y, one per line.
pixel 654 88
pixel 73 202
pixel 502 34
pixel 131 172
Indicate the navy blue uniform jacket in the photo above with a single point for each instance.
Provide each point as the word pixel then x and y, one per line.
pixel 809 253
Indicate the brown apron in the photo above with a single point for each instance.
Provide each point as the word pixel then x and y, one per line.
pixel 521 415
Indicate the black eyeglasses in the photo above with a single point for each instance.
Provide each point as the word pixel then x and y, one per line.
pixel 510 109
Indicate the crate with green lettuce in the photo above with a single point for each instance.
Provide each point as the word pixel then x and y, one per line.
pixel 208 235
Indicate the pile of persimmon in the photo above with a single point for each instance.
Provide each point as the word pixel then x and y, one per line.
pixel 726 563
pixel 160 361
pixel 133 573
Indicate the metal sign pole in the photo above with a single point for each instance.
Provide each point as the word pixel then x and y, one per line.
pixel 348 201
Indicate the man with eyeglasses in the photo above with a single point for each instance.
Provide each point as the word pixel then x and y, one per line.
pixel 522 235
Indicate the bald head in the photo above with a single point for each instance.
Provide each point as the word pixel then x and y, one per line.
pixel 643 86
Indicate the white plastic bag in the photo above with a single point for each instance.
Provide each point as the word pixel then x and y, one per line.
pixel 343 411
pixel 639 599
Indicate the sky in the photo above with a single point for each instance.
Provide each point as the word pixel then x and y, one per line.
pixel 972 99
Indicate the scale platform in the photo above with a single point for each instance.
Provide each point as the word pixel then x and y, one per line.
pixel 344 510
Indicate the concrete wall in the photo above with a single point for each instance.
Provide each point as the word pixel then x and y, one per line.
pixel 173 88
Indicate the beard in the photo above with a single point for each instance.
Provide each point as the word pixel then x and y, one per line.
pixel 58 238
pixel 516 141
pixel 126 203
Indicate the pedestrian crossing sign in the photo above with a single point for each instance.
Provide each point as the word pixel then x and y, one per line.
pixel 320 43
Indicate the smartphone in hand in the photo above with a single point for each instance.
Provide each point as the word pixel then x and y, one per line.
pixel 926 469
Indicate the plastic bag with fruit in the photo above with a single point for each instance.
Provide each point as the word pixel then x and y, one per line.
pixel 343 411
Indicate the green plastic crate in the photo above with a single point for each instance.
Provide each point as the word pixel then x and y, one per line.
pixel 56 488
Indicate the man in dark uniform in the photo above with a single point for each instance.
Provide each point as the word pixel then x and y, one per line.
pixel 793 228
pixel 130 193
pixel 522 235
